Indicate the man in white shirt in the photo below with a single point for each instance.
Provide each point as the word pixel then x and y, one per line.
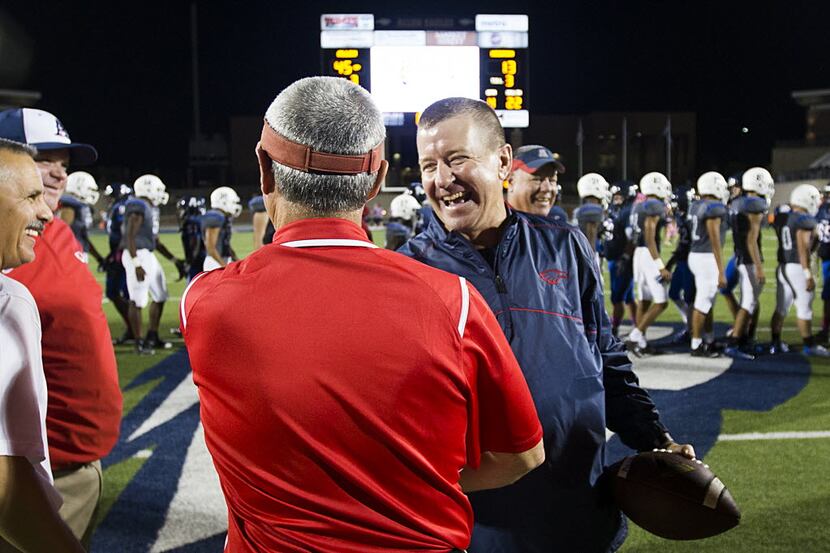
pixel 29 502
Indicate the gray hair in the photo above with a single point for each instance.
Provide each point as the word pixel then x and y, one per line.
pixel 20 148
pixel 331 115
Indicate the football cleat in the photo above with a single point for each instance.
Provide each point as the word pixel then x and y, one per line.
pixel 705 350
pixel 816 351
pixel 737 353
pixel 778 347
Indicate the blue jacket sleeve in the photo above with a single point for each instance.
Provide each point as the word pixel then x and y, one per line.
pixel 629 410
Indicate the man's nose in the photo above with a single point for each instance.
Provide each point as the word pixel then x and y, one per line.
pixel 443 175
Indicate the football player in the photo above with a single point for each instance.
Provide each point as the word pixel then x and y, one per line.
pixel 795 283
pixel 189 211
pixel 116 291
pixel 707 218
pixel 747 214
pixel 594 192
pixel 145 276
pixel 263 228
pixel 682 287
pixel 650 273
pixel 76 209
pixel 731 271
pixel 403 216
pixel 618 249
pixel 823 237
pixel 217 227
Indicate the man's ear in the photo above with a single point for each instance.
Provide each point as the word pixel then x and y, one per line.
pixel 505 161
pixel 266 172
pixel 384 167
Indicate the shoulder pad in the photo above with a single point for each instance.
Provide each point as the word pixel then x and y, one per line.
pixel 654 207
pixel 753 204
pixel 257 204
pixel 806 222
pixel 212 219
pixel 70 201
pixel 134 205
pixel 714 210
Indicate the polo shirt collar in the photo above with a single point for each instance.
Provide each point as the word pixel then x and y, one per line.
pixel 322 232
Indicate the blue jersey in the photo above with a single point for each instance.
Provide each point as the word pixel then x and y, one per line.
pixel 115 219
pixel 650 208
pixel 82 221
pixel 787 224
pixel 145 239
pixel 589 213
pixel 257 204
pixel 619 216
pixel 557 212
pixel 700 212
pixel 191 231
pixel 823 230
pixel 216 219
pixel 742 207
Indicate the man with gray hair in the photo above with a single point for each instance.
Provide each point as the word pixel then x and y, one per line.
pixel 332 430
pixel 29 519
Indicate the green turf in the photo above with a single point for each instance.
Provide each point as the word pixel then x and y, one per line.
pixel 779 484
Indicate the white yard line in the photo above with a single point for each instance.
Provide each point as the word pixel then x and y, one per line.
pixel 774 436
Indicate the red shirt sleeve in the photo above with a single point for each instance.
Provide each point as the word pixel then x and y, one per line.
pixel 503 416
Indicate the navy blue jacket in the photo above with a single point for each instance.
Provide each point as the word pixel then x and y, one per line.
pixel 545 291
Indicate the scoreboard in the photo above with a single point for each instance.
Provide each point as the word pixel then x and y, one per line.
pixel 408 62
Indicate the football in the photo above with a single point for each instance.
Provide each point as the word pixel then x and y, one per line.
pixel 671 496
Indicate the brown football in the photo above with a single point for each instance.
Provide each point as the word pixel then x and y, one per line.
pixel 672 496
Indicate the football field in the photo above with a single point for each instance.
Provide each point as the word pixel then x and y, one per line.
pixel 763 427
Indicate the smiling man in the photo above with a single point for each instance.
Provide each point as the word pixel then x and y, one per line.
pixel 29 503
pixel 539 278
pixel 84 413
pixel 533 184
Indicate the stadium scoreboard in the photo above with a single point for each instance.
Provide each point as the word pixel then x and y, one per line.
pixel 408 63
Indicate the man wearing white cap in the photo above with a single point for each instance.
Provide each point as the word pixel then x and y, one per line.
pixel 84 400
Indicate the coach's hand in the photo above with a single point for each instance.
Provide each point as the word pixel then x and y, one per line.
pixel 759 274
pixel 721 281
pixel 811 284
pixel 686 450
pixel 139 274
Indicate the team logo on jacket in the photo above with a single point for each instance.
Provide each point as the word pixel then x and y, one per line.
pixel 553 276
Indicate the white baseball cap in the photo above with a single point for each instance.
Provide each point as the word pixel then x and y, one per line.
pixel 44 131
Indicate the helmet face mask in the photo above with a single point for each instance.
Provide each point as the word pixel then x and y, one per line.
pixel 226 199
pixel 82 186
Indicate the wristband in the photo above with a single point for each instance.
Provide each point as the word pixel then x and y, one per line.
pixel 807 273
pixel 660 264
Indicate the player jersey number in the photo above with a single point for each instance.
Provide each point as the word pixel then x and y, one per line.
pixel 695 235
pixel 786 239
pixel 823 231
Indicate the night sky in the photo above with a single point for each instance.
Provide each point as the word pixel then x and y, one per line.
pixel 118 74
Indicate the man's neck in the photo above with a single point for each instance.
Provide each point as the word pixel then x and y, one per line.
pixel 491 235
pixel 289 212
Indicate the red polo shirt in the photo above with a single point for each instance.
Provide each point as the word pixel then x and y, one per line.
pixel 343 387
pixel 83 416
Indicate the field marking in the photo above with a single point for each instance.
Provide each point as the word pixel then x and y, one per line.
pixel 774 436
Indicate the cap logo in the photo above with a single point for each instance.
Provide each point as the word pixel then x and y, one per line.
pixel 60 130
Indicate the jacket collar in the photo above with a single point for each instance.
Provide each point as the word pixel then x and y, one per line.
pixel 439 232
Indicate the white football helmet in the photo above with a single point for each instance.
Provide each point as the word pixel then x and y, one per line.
pixel 712 183
pixel 152 188
pixel 758 180
pixel 82 186
pixel 226 199
pixel 404 206
pixel 656 184
pixel 593 185
pixel 806 196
